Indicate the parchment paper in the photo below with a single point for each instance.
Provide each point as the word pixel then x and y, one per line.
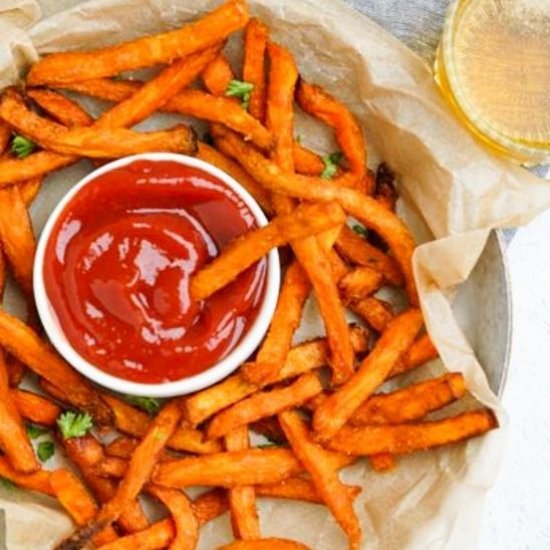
pixel 433 500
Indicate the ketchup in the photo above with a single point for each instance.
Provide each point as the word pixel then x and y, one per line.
pixel 118 265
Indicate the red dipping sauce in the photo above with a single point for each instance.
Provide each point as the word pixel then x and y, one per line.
pixel 119 261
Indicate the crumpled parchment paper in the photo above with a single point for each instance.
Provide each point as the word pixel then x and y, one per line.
pixel 433 500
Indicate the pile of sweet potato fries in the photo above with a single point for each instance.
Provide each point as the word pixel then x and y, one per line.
pixel 316 402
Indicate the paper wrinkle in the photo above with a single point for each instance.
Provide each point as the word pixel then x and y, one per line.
pixel 433 500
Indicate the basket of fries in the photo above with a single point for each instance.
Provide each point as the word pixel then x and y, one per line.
pixel 363 418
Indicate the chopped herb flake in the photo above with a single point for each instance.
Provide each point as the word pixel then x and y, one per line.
pixel 72 424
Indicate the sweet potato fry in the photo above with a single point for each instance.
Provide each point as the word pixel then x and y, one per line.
pixel 265 404
pixel 143 52
pixel 340 406
pixel 156 537
pixel 35 408
pixel 366 209
pixel 264 544
pixel 187 527
pixel 358 251
pixel 250 467
pixel 286 319
pixel 30 190
pixel 316 102
pixel 134 422
pixel 145 100
pixel 14 440
pixel 300 359
pixel 25 345
pixel 111 467
pixel 211 155
pixel 210 505
pixel 307 162
pixel 419 353
pixel 142 463
pixel 242 499
pixel 90 141
pixel 385 191
pixel 360 283
pixel 73 496
pixel 217 76
pixel 38 481
pixel 85 452
pixel 408 438
pixel 283 75
pixel 297 488
pixel 17 236
pixel 325 479
pixel 375 312
pixel 243 252
pixel 5 136
pixel 255 42
pixel 61 108
pixel 410 403
pixel 37 165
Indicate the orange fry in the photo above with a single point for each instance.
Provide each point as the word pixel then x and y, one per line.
pixel 156 537
pixel 217 76
pixel 17 236
pixel 331 415
pixel 307 162
pixel 419 353
pixel 410 403
pixel 142 463
pixel 14 440
pixel 25 345
pixel 249 248
pixel 230 469
pixel 187 527
pixel 358 251
pixel 85 452
pixel 264 544
pixel 265 404
pixel 408 438
pixel 34 166
pixel 283 75
pixel 255 41
pixel 375 312
pixel 366 209
pixel 90 141
pixel 5 136
pixel 213 156
pixel 286 319
pixel 134 422
pixel 143 101
pixel 210 505
pixel 35 408
pixel 297 488
pixel 61 108
pixel 384 462
pixel 315 101
pixel 242 499
pixel 314 459
pixel 38 481
pixel 361 282
pixel 143 52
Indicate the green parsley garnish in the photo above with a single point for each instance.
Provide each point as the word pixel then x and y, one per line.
pixel 148 404
pixel 240 89
pixel 360 230
pixel 35 431
pixel 332 162
pixel 72 424
pixel 22 147
pixel 45 450
pixel 7 484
